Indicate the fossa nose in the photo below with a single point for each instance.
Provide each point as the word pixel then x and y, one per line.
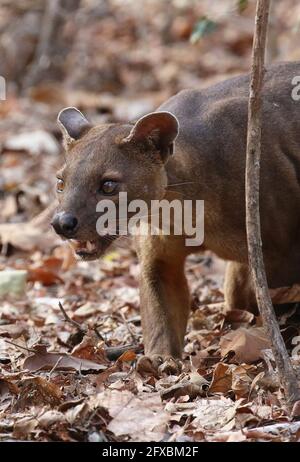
pixel 65 224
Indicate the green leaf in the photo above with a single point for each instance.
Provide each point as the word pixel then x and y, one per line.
pixel 242 5
pixel 203 27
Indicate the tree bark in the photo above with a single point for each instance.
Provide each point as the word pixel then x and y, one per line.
pixel 286 372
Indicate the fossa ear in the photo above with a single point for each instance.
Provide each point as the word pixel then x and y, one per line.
pixel 159 127
pixel 73 124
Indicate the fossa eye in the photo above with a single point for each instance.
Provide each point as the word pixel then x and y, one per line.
pixel 109 187
pixel 60 185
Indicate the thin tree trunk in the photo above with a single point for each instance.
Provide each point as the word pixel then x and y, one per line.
pixel 52 48
pixel 286 373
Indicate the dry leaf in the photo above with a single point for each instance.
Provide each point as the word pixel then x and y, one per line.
pixel 43 275
pixel 42 360
pixel 13 330
pixel 127 356
pixel 142 418
pixel 24 426
pixel 34 142
pixel 77 412
pixel 296 409
pixel 37 391
pixel 65 406
pixel 247 344
pixel 51 417
pixel 215 414
pixel 222 379
pixel 236 437
pixel 184 388
pixel 8 387
pixel 88 349
pixel 242 379
pixel 12 282
pixel 239 316
pixel 285 294
pixel 26 237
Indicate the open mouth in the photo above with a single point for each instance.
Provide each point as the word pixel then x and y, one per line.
pixel 84 248
pixel 90 250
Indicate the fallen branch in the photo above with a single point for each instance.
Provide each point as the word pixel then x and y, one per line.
pixel 113 353
pixel 286 372
pixel 272 431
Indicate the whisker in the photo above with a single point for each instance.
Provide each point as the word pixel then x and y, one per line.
pixel 120 220
pixel 179 184
pixel 175 192
pixel 112 237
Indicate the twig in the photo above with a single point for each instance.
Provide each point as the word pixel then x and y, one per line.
pixel 81 329
pixel 286 372
pixel 71 321
pixel 54 367
pixel 20 346
pixel 98 334
pixel 131 333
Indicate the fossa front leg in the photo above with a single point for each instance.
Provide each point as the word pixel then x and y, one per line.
pixel 165 301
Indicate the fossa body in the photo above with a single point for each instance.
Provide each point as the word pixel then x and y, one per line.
pixel 195 145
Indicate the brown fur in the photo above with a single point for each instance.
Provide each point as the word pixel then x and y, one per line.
pixel 208 164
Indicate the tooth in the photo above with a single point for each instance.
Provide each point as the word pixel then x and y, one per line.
pixel 74 244
pixel 89 246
